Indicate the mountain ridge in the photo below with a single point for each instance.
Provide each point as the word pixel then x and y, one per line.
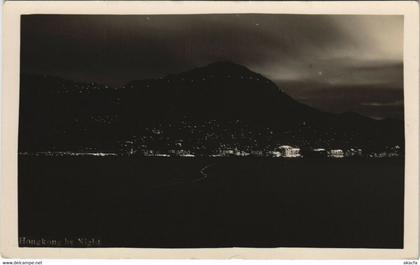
pixel 221 91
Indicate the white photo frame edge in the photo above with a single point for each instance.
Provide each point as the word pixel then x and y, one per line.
pixel 10 96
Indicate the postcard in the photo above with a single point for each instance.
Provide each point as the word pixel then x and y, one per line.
pixel 249 130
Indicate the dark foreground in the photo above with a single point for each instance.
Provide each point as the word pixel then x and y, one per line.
pixel 225 202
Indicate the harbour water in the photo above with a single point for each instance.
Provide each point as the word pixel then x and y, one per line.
pixel 163 202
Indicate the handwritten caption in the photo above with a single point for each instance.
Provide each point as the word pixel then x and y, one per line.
pixel 65 242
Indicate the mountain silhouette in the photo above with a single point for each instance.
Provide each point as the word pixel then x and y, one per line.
pixel 70 114
pixel 222 91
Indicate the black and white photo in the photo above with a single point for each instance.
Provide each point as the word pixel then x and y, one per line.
pixel 209 131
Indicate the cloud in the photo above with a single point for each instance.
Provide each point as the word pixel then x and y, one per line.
pixel 332 52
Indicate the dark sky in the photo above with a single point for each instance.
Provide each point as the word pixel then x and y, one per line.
pixel 333 62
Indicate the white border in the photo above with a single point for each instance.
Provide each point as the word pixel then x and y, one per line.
pixel 11 41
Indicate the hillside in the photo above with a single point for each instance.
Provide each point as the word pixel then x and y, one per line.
pixel 219 103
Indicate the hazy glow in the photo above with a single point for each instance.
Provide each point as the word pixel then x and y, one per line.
pixel 306 55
